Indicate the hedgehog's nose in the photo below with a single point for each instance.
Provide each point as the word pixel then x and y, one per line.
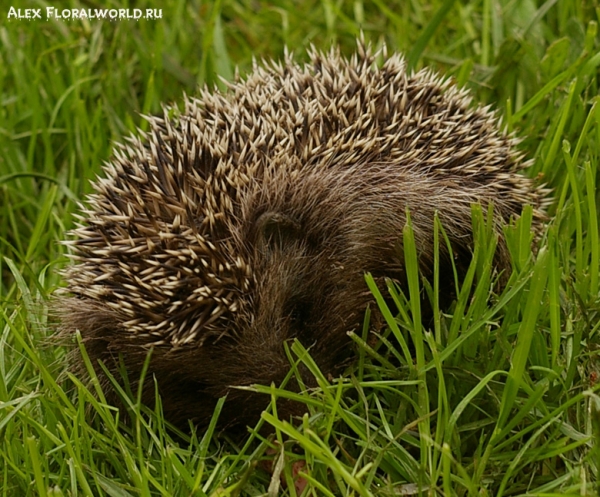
pixel 308 378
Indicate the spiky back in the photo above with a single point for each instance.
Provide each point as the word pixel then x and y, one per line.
pixel 157 243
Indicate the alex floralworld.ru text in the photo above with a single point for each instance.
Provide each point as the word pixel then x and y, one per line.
pixel 111 14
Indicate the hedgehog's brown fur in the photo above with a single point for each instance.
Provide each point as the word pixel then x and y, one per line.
pixel 250 218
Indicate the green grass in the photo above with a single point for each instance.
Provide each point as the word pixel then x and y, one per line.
pixel 498 396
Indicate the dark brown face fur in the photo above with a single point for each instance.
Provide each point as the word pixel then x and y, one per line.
pixel 250 219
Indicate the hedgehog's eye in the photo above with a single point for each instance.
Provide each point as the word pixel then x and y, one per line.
pixel 276 229
pixel 300 312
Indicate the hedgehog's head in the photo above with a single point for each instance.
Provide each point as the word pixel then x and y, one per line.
pixel 216 298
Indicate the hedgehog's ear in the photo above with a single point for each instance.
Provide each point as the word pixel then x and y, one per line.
pixel 275 229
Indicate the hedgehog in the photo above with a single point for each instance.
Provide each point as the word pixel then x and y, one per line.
pixel 249 218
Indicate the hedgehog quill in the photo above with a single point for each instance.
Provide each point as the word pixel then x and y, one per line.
pixel 249 219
